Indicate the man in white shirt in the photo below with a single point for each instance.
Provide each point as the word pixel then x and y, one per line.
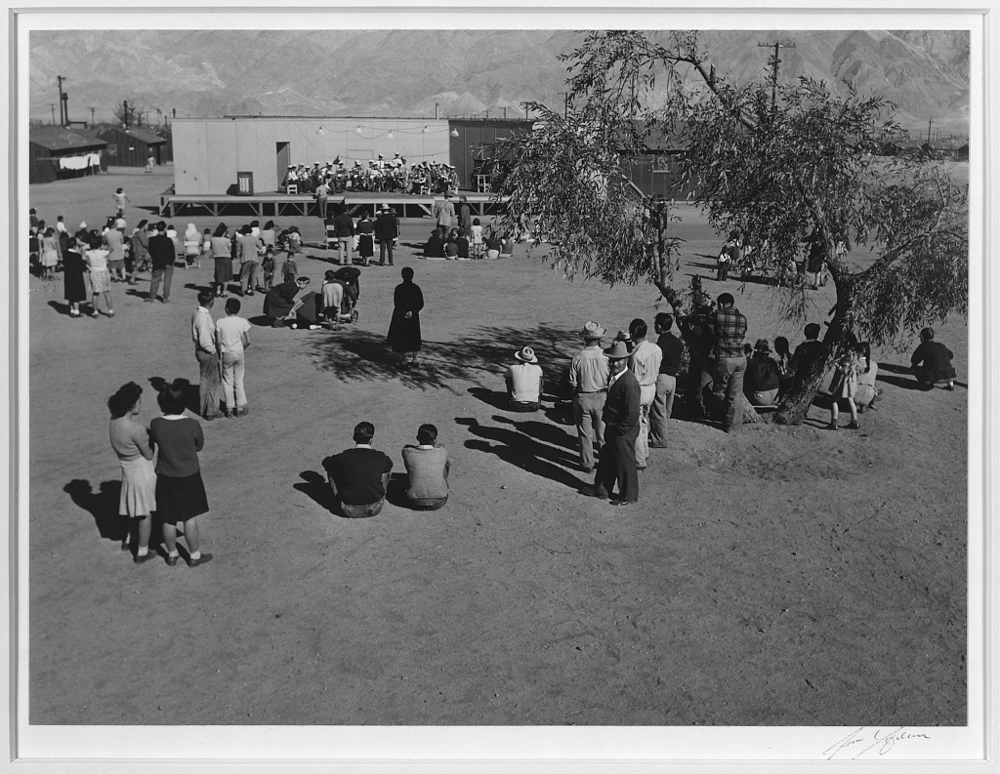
pixel 588 378
pixel 205 350
pixel 232 338
pixel 524 382
pixel 645 364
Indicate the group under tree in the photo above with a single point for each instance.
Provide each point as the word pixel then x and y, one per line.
pixel 780 162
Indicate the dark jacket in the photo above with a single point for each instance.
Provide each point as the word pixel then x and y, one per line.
pixel 762 374
pixel 386 227
pixel 622 406
pixel 162 251
pixel 343 226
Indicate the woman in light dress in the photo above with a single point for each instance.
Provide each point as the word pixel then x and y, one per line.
pixel 100 280
pixel 130 440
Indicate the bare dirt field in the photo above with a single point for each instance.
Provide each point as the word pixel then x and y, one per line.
pixel 781 576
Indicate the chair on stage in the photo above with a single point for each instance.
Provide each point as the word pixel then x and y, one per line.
pixel 292 188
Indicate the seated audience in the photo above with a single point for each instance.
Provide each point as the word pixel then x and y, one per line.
pixel 867 392
pixel 762 377
pixel 435 245
pixel 359 476
pixel 427 468
pixel 524 382
pixel 931 362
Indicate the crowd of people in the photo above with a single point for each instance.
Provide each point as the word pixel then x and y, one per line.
pixel 394 175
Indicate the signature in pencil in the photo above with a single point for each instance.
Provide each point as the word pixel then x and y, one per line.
pixel 862 740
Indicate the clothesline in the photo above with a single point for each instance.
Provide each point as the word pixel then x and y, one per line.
pixel 82 161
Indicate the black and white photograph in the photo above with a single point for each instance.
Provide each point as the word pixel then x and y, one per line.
pixel 686 456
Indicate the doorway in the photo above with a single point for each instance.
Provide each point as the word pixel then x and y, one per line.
pixel 283 153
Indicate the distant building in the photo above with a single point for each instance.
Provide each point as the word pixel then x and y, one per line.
pixel 55 153
pixel 133 146
pixel 473 147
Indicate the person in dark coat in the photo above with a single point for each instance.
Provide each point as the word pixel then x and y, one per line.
pixel 163 253
pixel 279 301
pixel 73 270
pixel 435 245
pixel 366 239
pixel 386 234
pixel 464 218
pixel 931 362
pixel 404 330
pixel 621 430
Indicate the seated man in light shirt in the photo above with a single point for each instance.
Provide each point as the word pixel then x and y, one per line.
pixel 427 468
pixel 524 382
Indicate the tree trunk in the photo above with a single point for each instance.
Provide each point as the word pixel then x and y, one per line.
pixel 795 405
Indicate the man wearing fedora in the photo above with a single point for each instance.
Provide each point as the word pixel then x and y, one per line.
pixel 621 429
pixel 524 381
pixel 588 378
pixel 386 233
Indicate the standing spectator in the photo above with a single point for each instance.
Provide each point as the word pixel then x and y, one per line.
pixel 404 329
pixel 762 377
pixel 386 234
pixel 207 354
pixel 322 194
pixel 180 492
pixel 120 201
pixel 588 378
pixel 246 249
pixel 644 362
pixel 366 239
pixel 816 256
pixel 783 358
pixel 343 231
pixel 192 246
pixel 931 362
pixel 427 467
pixel 267 266
pixel 359 476
pixel 730 326
pixel 289 269
pixel 478 247
pixel 525 383
pixel 115 242
pixel 74 267
pixel 100 281
pixel 222 255
pixel 232 337
pixel 444 214
pixel 162 253
pixel 621 429
pixel 140 251
pixel 731 253
pixel 671 354
pixel 130 441
pixel 150 161
pixel 50 253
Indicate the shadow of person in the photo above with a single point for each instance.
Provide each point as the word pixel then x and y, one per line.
pixel 260 320
pixel 102 505
pixel 903 382
pixel 497 400
pixel 522 451
pixel 199 288
pixel 546 433
pixel 318 488
pixel 395 493
pixel 62 308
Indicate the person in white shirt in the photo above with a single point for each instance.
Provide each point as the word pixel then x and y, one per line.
pixel 232 337
pixel 644 362
pixel 524 382
pixel 207 353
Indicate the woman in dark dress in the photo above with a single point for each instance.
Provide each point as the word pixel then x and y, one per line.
pixel 222 255
pixel 74 268
pixel 366 239
pixel 404 330
pixel 435 245
pixel 280 300
pixel 180 492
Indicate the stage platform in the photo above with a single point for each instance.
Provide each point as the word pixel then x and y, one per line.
pixel 276 205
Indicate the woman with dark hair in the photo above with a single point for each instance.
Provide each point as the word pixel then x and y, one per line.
pixel 404 330
pixel 366 238
pixel 130 440
pixel 269 234
pixel 279 302
pixel 222 252
pixel 180 492
pixel 50 253
pixel 783 357
pixel 74 267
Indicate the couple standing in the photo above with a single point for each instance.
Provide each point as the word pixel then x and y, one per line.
pixel 219 349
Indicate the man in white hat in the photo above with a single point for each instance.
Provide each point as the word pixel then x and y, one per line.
pixel 524 381
pixel 588 377
pixel 621 429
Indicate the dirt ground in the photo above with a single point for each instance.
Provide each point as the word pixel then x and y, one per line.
pixel 782 576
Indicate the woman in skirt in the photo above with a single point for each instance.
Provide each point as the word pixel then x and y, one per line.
pixel 100 279
pixel 50 253
pixel 130 440
pixel 74 268
pixel 222 253
pixel 366 239
pixel 180 493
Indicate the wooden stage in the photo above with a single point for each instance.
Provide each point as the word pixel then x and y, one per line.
pixel 276 205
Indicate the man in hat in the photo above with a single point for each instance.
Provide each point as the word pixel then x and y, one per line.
pixel 444 213
pixel 729 328
pixel 386 233
pixel 621 429
pixel 644 362
pixel 524 382
pixel 588 378
pixel 763 378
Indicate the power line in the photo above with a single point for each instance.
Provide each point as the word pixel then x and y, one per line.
pixel 774 64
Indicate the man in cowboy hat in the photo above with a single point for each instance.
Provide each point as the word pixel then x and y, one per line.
pixel 763 378
pixel 524 381
pixel 588 378
pixel 621 429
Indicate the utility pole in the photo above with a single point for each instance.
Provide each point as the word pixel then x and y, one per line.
pixel 62 101
pixel 92 121
pixel 930 120
pixel 774 64
pixel 53 106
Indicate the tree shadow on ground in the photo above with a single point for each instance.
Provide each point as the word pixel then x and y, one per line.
pixel 484 353
pixel 522 451
pixel 102 505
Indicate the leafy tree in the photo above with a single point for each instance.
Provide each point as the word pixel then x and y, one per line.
pixel 779 163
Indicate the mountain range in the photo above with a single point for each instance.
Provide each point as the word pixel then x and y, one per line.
pixel 452 72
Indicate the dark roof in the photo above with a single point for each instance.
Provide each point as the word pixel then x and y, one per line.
pixel 55 138
pixel 140 133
